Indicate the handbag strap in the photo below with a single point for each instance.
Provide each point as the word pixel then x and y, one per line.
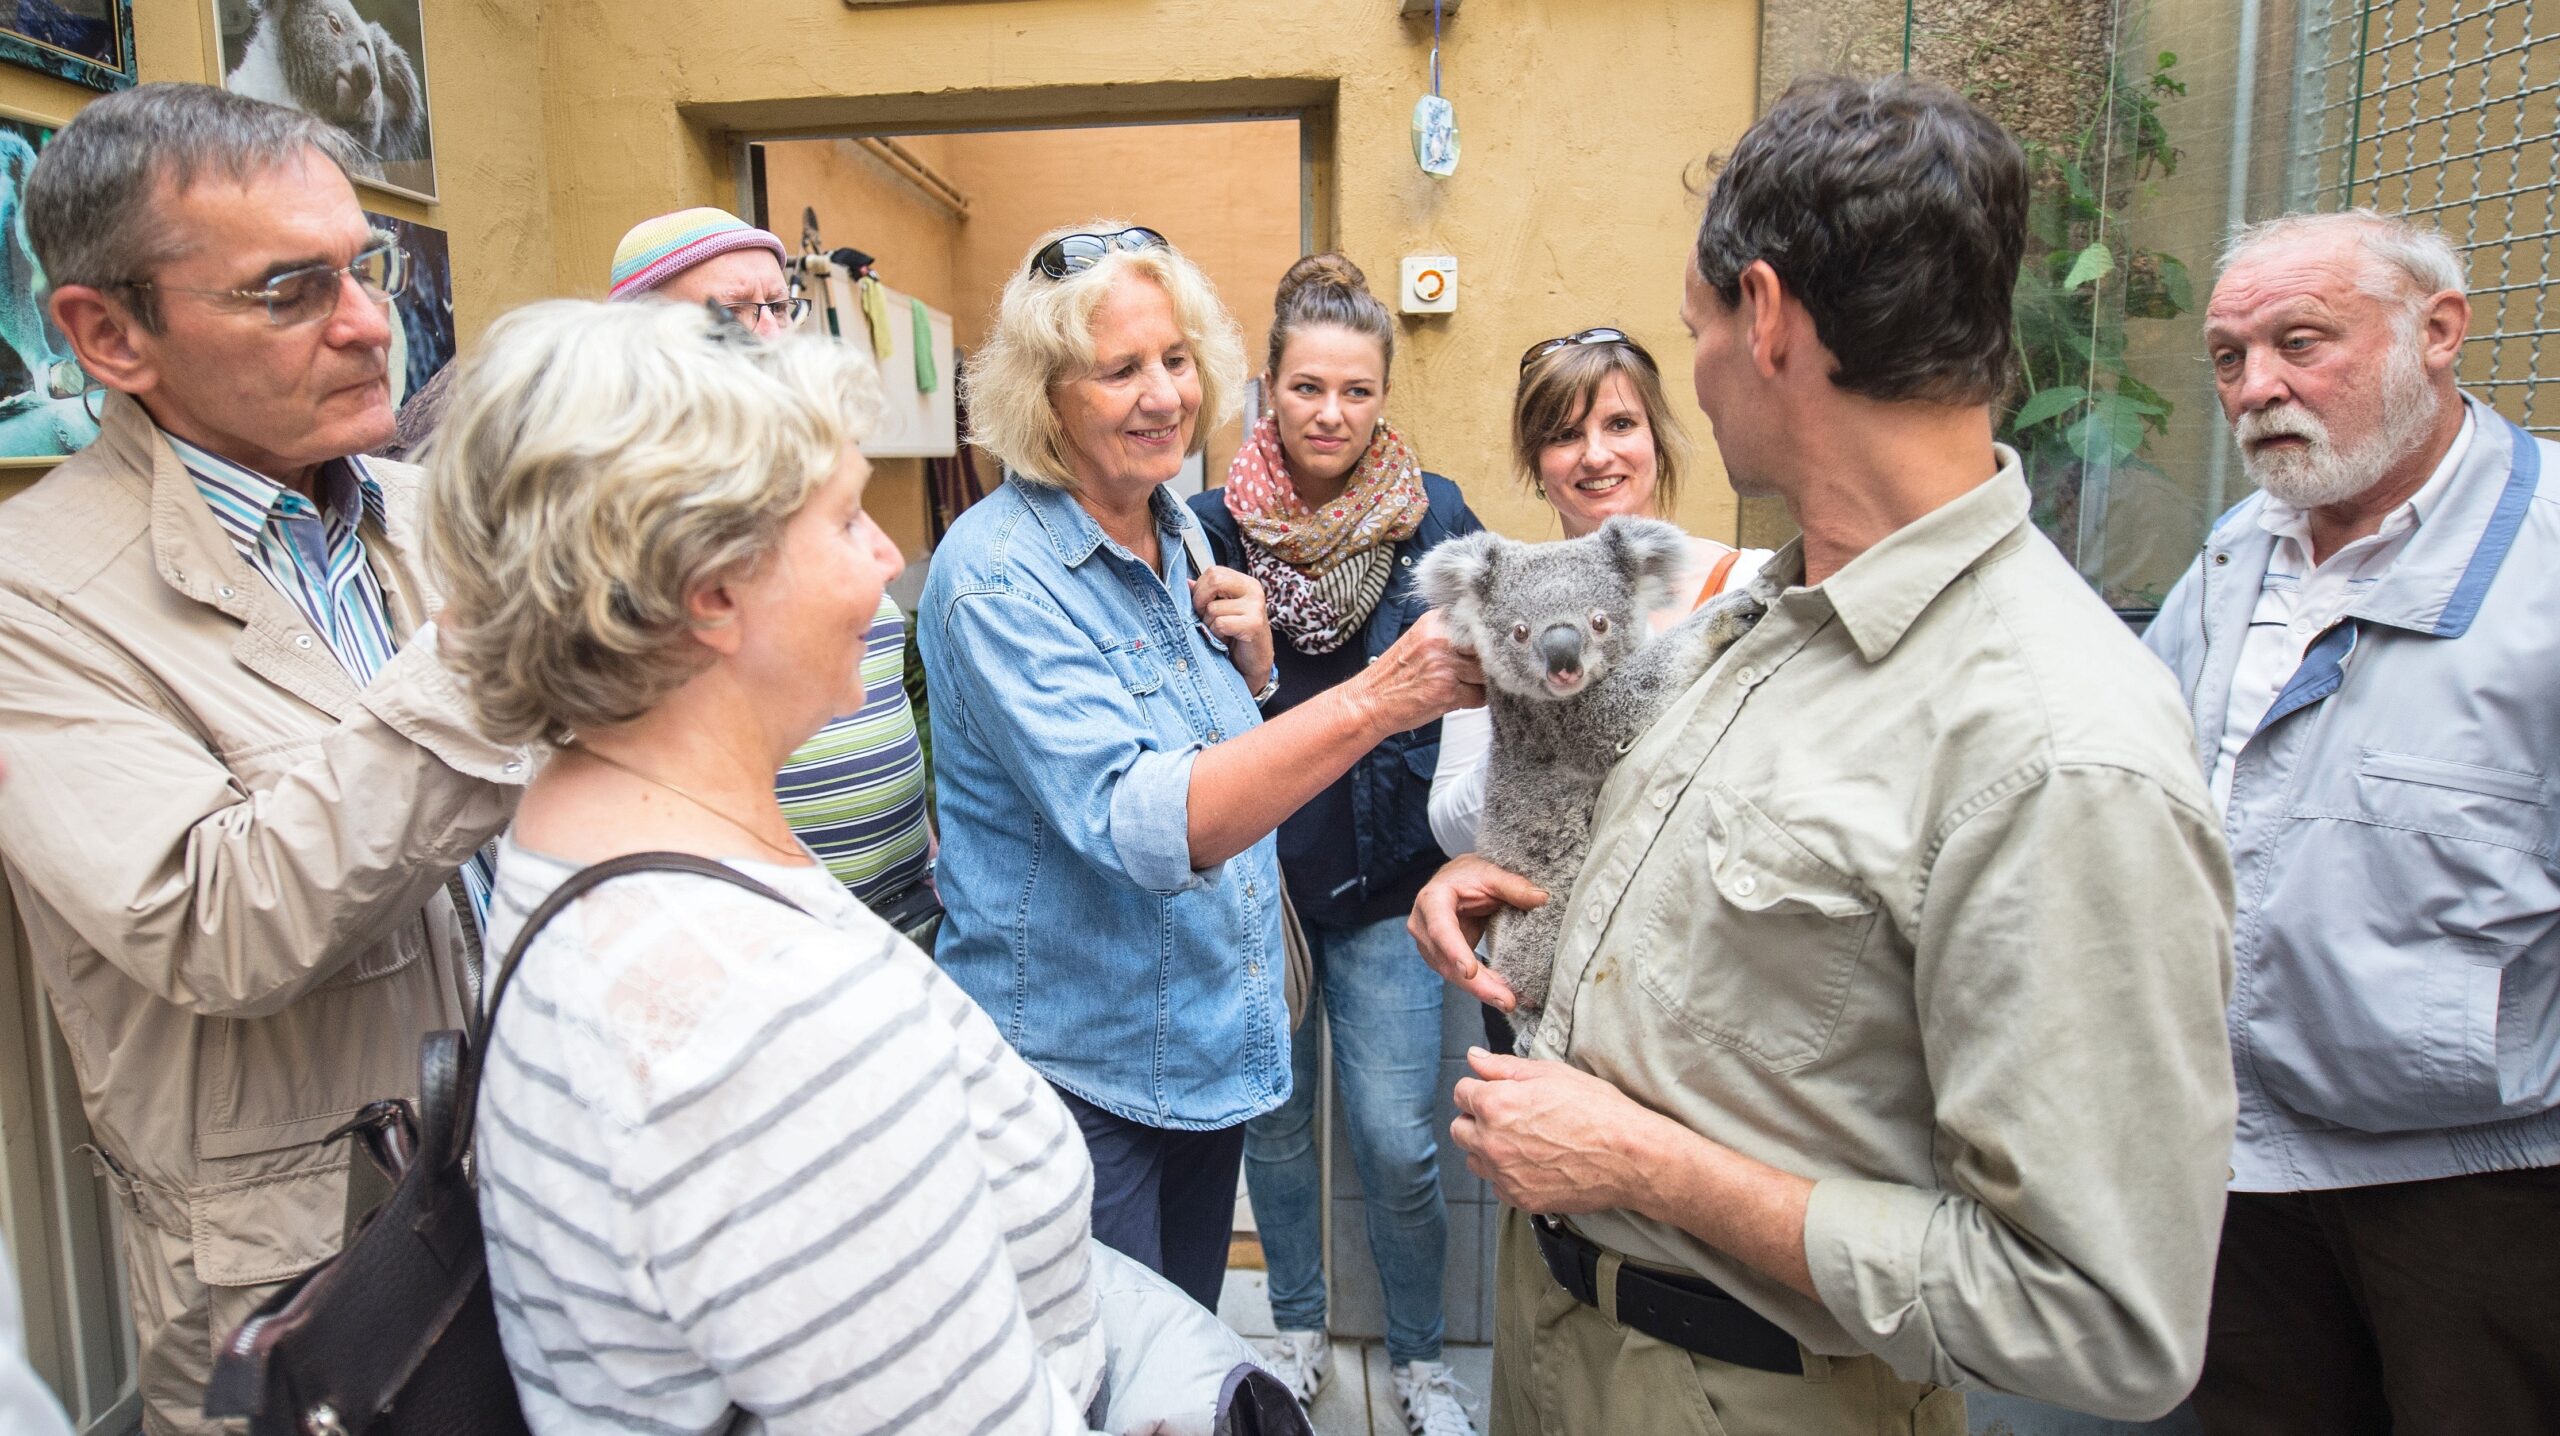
pixel 1716 577
pixel 578 885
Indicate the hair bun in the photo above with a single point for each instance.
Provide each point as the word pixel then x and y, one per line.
pixel 1330 270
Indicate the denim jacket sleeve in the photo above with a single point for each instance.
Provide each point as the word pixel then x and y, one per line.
pixel 1067 722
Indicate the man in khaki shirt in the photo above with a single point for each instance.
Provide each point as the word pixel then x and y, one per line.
pixel 1885 1053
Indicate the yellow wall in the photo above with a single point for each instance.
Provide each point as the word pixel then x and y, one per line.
pixel 559 122
pixel 1578 117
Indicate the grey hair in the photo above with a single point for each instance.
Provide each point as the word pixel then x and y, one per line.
pixel 2394 245
pixel 599 462
pixel 89 202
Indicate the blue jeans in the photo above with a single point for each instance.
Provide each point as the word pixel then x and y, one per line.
pixel 1384 1007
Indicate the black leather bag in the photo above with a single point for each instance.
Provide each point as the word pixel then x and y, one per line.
pixel 397 1335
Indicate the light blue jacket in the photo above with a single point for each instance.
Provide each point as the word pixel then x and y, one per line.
pixel 1072 691
pixel 2395 1010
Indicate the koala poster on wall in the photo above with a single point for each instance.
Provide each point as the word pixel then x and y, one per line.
pixel 359 64
pixel 88 42
pixel 422 338
pixel 44 415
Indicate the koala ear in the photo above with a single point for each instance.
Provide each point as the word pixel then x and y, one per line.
pixel 404 98
pixel 1650 553
pixel 1456 575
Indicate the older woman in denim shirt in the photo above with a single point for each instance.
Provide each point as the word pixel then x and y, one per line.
pixel 1108 787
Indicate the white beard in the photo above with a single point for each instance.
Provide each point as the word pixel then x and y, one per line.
pixel 2321 473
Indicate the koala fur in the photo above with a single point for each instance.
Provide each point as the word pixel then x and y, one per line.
pixel 321 57
pixel 1573 675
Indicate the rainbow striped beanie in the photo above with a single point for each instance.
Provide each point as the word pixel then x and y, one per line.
pixel 657 250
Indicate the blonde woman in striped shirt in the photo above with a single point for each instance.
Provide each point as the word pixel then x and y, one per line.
pixel 735 1155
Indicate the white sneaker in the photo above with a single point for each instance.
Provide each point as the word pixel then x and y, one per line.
pixel 1431 1399
pixel 1302 1360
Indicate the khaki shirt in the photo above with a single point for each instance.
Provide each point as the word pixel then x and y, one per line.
pixel 230 863
pixel 1918 894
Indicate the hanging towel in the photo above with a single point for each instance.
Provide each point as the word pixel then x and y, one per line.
pixel 875 308
pixel 926 379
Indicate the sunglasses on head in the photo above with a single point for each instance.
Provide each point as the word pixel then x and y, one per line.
pixel 1075 253
pixel 1545 347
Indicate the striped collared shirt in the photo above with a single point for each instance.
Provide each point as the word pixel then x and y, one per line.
pixel 314 554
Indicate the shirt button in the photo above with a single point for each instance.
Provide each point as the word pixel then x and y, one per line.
pixel 1593 917
pixel 514 765
pixel 1746 675
pixel 1215 736
pixel 1662 799
pixel 225 590
pixel 1746 885
pixel 302 640
pixel 1250 890
pixel 1182 665
pixel 2221 559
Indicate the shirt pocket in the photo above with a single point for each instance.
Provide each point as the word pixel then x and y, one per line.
pixel 1133 661
pixel 1762 960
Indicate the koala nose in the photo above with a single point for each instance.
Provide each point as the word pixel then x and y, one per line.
pixel 1561 647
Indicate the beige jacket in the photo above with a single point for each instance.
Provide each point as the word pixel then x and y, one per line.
pixel 231 864
pixel 1918 893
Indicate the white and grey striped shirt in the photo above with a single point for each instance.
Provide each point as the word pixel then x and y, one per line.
pixel 732 1155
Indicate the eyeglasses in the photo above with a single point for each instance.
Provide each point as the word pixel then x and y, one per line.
pixel 1076 253
pixel 1545 347
pixel 304 296
pixel 784 311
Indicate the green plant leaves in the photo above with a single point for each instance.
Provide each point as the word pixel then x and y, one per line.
pixel 2046 404
pixel 2092 264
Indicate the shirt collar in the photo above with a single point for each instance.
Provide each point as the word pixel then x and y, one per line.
pixel 1075 533
pixel 246 501
pixel 1879 594
pixel 2287 522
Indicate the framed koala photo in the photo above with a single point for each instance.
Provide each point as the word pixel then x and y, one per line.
pixel 361 65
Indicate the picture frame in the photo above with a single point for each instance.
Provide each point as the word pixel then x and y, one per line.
pixel 359 65
pixel 88 42
pixel 423 338
pixel 48 407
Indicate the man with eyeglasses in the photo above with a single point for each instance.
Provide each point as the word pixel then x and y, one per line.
pixel 246 804
pixel 855 791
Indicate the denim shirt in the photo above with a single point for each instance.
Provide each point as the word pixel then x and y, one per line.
pixel 2395 1014
pixel 1072 691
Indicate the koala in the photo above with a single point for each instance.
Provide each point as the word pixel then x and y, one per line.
pixel 321 57
pixel 1573 675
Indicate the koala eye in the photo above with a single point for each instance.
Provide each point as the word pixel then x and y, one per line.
pixel 337 26
pixel 1599 621
pixel 1519 633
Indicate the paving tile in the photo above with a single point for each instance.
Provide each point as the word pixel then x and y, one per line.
pixel 1473 1366
pixel 1244 1303
pixel 1342 1408
pixel 1386 1418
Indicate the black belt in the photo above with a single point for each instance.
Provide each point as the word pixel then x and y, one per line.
pixel 1690 1312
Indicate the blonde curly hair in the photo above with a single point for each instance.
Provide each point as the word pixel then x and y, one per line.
pixel 596 464
pixel 1044 334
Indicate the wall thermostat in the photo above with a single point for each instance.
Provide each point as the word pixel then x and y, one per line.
pixel 1430 284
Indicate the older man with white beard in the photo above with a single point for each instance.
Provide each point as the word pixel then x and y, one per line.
pixel 2371 650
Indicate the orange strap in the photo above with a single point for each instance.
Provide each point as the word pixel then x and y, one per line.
pixel 1716 576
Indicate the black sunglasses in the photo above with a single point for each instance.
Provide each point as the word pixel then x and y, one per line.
pixel 1075 253
pixel 1545 347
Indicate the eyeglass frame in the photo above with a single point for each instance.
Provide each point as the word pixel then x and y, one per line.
pixel 792 310
pixel 385 244
pixel 1602 334
pixel 1063 265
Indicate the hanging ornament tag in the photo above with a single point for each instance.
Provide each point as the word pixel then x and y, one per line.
pixel 1435 136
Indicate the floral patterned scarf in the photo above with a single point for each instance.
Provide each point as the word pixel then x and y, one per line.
pixel 1323 569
